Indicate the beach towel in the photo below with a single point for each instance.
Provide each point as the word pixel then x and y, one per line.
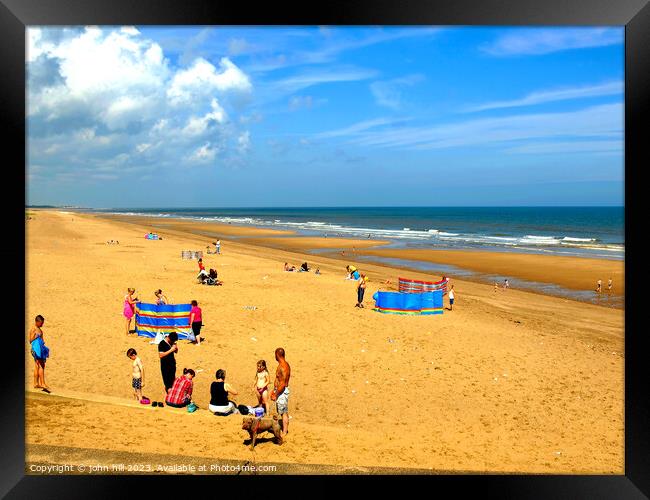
pixel 40 350
pixel 156 321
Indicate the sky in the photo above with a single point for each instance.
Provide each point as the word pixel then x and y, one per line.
pixel 143 116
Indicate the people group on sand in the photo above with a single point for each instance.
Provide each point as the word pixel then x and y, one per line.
pixel 289 268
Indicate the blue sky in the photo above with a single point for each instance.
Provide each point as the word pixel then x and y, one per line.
pixel 325 116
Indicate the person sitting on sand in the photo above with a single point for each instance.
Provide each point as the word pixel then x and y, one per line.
pixel 219 390
pixel 287 268
pixel 39 352
pixel 129 308
pixel 317 270
pixel 262 381
pixel 304 268
pixel 180 394
pixel 202 271
pixel 161 300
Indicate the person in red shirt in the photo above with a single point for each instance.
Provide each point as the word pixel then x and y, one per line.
pixel 202 271
pixel 180 395
pixel 196 320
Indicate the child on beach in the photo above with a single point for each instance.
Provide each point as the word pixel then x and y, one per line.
pixel 262 381
pixel 361 288
pixel 39 352
pixel 160 298
pixel 129 308
pixel 137 380
pixel 451 298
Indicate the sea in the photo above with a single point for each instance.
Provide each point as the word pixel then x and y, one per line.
pixel 597 232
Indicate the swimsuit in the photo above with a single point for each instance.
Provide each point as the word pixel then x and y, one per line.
pixel 282 402
pixel 128 308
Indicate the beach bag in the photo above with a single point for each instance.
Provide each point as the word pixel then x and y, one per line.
pixel 191 408
pixel 243 409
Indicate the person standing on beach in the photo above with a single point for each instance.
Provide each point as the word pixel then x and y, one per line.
pixel 167 349
pixel 609 285
pixel 218 247
pixel 161 300
pixel 599 286
pixel 137 373
pixel 361 289
pixel 129 308
pixel 451 298
pixel 280 392
pixel 506 285
pixel 196 320
pixel 39 353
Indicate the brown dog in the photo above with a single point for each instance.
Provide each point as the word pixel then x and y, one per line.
pixel 256 426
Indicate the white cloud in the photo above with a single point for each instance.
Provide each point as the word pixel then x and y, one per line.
pixel 199 125
pixel 602 122
pixel 390 93
pixel 299 82
pixel 565 147
pixel 244 142
pixel 204 154
pixel 202 79
pixel 100 95
pixel 604 89
pixel 297 102
pixel 536 41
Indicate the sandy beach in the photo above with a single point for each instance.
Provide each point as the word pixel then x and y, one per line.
pixel 510 381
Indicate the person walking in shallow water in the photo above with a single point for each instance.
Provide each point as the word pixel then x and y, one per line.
pixel 599 286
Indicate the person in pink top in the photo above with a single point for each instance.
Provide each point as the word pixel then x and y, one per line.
pixel 129 308
pixel 196 320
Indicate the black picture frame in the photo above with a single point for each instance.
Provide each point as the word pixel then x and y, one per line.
pixel 15 15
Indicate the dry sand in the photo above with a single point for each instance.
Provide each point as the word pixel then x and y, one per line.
pixel 507 382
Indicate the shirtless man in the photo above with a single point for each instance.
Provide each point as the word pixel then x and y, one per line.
pixel 39 360
pixel 280 392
